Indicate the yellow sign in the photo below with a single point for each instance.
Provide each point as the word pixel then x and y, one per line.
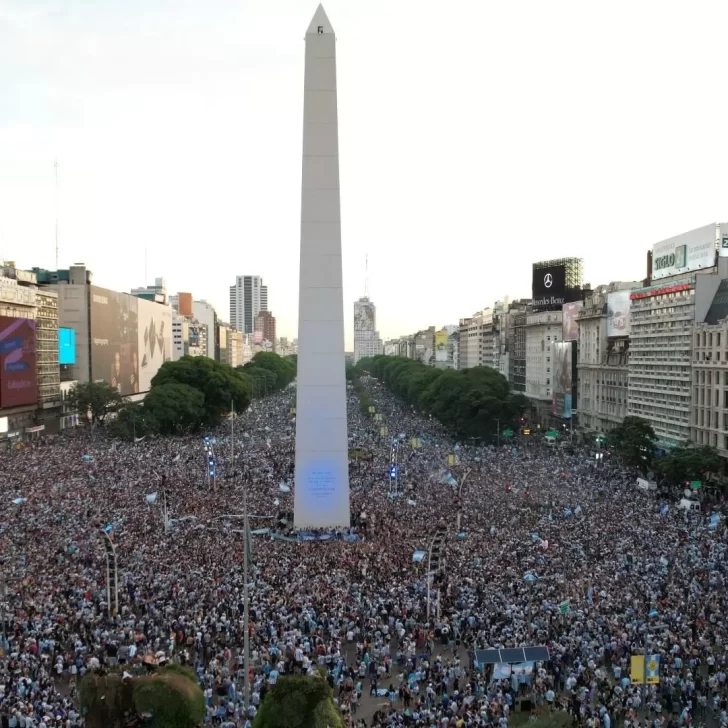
pixel 378 417
pixel 441 340
pixel 451 460
pixel 637 670
pixel 415 442
pixel 383 431
pixel 371 409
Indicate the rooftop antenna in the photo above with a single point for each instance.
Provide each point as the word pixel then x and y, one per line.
pixel 366 275
pixel 55 171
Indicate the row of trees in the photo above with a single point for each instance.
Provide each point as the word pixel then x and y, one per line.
pixel 473 403
pixel 186 395
pixel 635 443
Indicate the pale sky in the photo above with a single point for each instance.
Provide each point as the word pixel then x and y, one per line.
pixel 475 138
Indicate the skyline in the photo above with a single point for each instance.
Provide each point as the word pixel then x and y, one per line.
pixel 527 136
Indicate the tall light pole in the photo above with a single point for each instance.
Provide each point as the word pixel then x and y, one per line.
pixel 460 498
pixel 111 569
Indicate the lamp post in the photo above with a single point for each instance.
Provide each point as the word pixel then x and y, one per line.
pixel 460 498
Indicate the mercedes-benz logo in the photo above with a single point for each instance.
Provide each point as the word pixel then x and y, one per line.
pixel 548 281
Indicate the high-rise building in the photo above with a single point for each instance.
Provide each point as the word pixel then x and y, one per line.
pixel 366 337
pixel 685 276
pixel 248 297
pixel 265 328
pixel 206 315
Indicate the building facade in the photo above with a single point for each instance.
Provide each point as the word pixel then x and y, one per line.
pixel 517 359
pixel 476 340
pixel 663 317
pixel 709 402
pixel 366 337
pixel 206 315
pixel 248 297
pixel 543 330
pixel 265 328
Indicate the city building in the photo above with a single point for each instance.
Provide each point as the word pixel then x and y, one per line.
pixel 30 396
pixel 556 282
pixel 248 297
pixel 235 348
pixel 603 357
pixel 265 329
pixel 156 293
pixel 517 359
pixel 446 347
pixel 476 340
pixel 205 315
pixel 366 337
pixel 684 279
pixel 543 330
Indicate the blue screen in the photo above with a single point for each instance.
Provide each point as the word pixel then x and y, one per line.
pixel 66 346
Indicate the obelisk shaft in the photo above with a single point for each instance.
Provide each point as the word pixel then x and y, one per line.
pixel 321 494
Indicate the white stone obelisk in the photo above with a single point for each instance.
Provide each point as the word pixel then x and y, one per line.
pixel 321 493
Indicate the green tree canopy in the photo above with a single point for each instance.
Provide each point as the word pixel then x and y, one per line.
pixel 686 464
pixel 132 421
pixel 299 702
pixel 218 382
pixel 471 402
pixel 171 696
pixel 95 400
pixel 175 408
pixel 634 442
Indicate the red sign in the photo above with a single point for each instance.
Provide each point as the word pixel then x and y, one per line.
pixel 660 291
pixel 18 379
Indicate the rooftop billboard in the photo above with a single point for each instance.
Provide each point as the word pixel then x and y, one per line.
pixel 683 253
pixel 618 306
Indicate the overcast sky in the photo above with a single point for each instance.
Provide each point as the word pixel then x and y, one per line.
pixel 475 137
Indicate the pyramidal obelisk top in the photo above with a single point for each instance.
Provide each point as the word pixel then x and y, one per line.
pixel 320 24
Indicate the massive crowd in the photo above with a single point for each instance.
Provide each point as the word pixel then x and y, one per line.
pixel 553 548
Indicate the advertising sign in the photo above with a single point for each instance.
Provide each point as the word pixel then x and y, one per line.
pixel 571 326
pixel 154 346
pixel 18 380
pixel 66 346
pixel 114 339
pixel 683 253
pixel 549 289
pixel 441 339
pixel 549 281
pixel 562 381
pixel 618 305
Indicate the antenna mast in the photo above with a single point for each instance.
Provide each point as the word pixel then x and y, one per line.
pixel 366 275
pixel 55 171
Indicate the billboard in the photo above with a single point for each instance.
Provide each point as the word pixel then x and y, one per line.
pixel 18 380
pixel 548 288
pixel 441 339
pixel 563 379
pixel 687 252
pixel 618 305
pixel 571 326
pixel 154 345
pixel 114 339
pixel 66 345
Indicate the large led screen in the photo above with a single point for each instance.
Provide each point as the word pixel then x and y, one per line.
pixel 18 377
pixel 66 346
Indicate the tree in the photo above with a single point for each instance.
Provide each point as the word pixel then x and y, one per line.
pixel 472 403
pixel 218 382
pixel 175 408
pixel 95 400
pixel 170 696
pixel 685 464
pixel 132 421
pixel 299 702
pixel 634 442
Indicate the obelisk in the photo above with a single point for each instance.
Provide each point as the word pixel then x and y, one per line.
pixel 321 493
